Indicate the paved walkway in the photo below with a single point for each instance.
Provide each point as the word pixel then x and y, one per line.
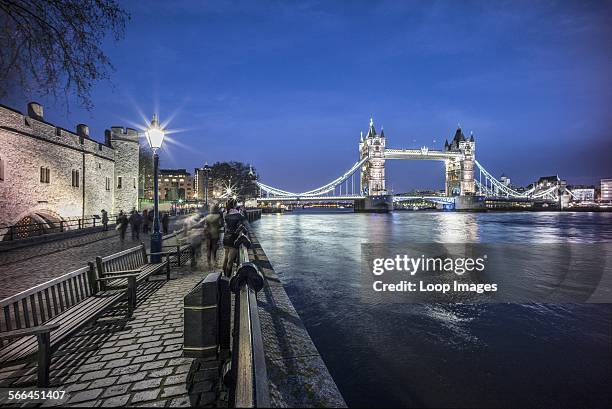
pixel 26 267
pixel 133 363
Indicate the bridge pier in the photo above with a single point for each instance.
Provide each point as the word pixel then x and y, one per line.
pixel 374 204
pixel 470 203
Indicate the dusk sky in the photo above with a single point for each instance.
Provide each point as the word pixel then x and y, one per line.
pixel 288 86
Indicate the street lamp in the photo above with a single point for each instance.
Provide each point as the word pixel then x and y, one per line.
pixel 155 136
pixel 206 171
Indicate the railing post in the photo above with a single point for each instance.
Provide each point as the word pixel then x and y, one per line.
pixel 94 222
pixel 61 225
pixel 11 233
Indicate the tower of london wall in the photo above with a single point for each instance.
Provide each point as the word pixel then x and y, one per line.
pixel 50 174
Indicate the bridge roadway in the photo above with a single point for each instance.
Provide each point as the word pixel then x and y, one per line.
pixel 441 199
pixel 26 267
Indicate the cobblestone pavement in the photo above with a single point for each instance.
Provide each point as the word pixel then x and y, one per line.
pixel 135 362
pixel 26 267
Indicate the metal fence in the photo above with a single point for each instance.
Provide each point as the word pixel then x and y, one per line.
pixel 25 230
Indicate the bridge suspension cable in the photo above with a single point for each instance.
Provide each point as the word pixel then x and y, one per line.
pixel 318 191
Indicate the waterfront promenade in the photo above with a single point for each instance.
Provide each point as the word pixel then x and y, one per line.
pixel 133 363
pixel 139 362
pixel 25 267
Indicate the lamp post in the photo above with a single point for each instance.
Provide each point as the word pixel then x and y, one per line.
pixel 155 137
pixel 206 171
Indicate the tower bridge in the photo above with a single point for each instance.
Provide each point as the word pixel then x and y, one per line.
pixel 467 182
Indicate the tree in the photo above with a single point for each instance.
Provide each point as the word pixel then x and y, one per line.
pixel 237 176
pixel 50 45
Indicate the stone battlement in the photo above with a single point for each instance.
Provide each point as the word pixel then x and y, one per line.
pixel 34 125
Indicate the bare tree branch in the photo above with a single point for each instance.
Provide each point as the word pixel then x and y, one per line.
pixel 51 45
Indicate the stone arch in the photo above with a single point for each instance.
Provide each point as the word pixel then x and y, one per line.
pixel 33 222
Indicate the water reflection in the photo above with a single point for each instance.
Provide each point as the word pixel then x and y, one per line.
pixel 442 355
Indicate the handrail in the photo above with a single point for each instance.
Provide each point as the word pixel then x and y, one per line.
pixel 248 358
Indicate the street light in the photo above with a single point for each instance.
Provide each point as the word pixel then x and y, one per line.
pixel 155 136
pixel 206 171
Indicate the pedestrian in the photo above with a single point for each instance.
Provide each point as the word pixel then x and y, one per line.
pixel 145 221
pixel 135 222
pixel 233 221
pixel 195 233
pixel 122 223
pixel 212 232
pixel 165 220
pixel 104 220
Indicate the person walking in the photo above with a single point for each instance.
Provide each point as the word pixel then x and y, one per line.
pixel 165 221
pixel 135 221
pixel 145 221
pixel 104 220
pixel 122 223
pixel 212 232
pixel 233 221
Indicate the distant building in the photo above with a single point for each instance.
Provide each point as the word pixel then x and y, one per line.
pixel 583 193
pixel 504 180
pixel 49 174
pixel 175 184
pixel 606 190
pixel 548 181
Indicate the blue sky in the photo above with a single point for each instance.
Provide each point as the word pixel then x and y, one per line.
pixel 288 85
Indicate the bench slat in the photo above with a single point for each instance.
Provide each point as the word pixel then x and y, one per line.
pixel 72 320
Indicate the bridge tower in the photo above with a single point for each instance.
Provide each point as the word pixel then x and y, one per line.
pixel 460 172
pixel 372 174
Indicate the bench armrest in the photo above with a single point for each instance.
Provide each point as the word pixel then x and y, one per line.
pixel 117 277
pixel 122 272
pixel 162 253
pixel 24 332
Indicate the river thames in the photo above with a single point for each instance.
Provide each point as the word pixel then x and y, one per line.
pixel 483 355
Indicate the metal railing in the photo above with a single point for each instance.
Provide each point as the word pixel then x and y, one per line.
pixel 25 230
pixel 249 371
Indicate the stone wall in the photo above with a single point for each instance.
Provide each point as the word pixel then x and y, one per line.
pixel 125 143
pixel 28 143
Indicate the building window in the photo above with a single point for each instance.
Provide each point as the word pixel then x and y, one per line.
pixel 108 183
pixel 45 175
pixel 119 182
pixel 75 178
pixel 1 170
pixel 134 183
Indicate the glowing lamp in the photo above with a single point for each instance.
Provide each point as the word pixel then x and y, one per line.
pixel 155 134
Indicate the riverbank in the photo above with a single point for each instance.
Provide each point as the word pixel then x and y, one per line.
pixel 298 377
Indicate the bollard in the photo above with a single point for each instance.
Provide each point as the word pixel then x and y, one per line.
pixel 201 320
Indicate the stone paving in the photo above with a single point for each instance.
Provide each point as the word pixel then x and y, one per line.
pixel 137 362
pixel 26 267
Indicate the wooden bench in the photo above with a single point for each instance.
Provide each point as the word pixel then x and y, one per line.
pixel 129 268
pixel 36 321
